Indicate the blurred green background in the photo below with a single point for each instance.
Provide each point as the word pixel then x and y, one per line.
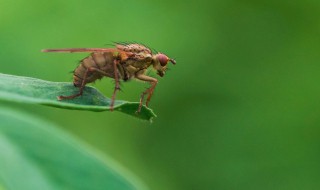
pixel 240 110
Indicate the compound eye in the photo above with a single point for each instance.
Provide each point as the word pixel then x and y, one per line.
pixel 163 59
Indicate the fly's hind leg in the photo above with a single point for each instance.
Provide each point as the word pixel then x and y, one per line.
pixel 81 88
pixel 90 69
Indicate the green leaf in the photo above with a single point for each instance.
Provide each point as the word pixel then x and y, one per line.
pixel 31 90
pixel 37 155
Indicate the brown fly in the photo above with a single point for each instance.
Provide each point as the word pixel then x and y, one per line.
pixel 123 62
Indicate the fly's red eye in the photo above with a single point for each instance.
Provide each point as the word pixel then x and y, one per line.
pixel 163 59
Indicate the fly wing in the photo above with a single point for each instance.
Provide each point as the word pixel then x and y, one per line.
pixel 74 50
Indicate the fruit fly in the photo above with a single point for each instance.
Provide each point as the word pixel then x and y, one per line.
pixel 123 62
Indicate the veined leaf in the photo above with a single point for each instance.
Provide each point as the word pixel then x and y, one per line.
pixel 31 90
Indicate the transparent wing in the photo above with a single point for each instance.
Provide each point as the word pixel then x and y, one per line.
pixel 75 50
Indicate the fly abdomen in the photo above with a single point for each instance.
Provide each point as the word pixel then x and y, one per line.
pixel 80 73
pixel 99 59
pixel 103 61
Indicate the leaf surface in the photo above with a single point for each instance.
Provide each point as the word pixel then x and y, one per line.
pixel 31 90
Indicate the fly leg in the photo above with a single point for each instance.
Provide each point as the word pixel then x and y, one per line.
pixel 90 69
pixel 117 86
pixel 80 91
pixel 93 69
pixel 149 91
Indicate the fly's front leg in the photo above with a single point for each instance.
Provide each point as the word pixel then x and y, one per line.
pixel 117 85
pixel 149 91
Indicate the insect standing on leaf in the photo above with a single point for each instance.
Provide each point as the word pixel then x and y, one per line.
pixel 124 62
